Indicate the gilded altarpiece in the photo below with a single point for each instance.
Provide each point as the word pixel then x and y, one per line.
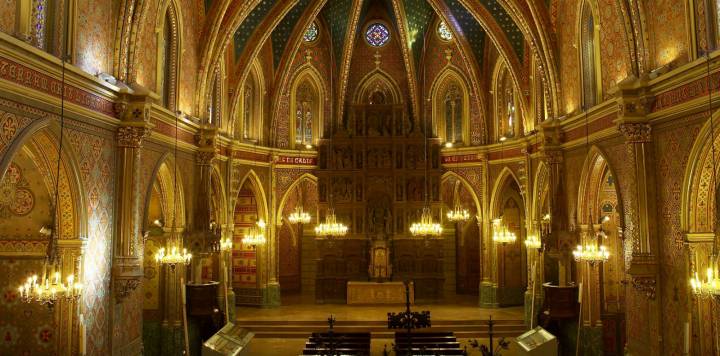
pixel 373 172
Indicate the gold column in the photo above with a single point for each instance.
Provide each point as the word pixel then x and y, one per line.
pixel 127 264
pixel 70 253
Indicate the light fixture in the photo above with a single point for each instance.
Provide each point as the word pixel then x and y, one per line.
pixel 426 226
pixel 533 242
pixel 592 250
pixel 172 255
pixel 52 287
pixel 710 286
pixel 308 146
pixel 226 244
pixel 448 144
pixel 299 216
pixel 458 213
pixel 501 234
pixel 255 235
pixel 331 227
pixel 157 223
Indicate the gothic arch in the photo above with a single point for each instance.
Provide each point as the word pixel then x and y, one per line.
pixel 372 81
pixel 439 88
pixel 42 139
pixel 541 190
pixel 594 168
pixel 501 79
pixel 169 10
pixel 220 196
pixel 504 178
pixel 163 174
pixel 697 204
pixel 466 184
pixel 253 90
pixel 257 188
pixel 308 76
pixel 589 53
pixel 307 176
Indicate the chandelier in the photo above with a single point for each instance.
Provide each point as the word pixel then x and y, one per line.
pixel 255 235
pixel 533 242
pixel 49 289
pixel 458 214
pixel 426 226
pixel 501 234
pixel 226 244
pixel 173 256
pixel 299 216
pixel 593 251
pixel 711 285
pixel 331 227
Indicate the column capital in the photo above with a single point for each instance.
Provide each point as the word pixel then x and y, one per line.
pixel 132 136
pixel 636 132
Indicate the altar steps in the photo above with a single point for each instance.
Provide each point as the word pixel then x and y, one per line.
pixel 378 329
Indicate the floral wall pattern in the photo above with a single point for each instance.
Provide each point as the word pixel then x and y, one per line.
pixel 95 37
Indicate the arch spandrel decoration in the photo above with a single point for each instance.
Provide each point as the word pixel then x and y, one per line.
pixel 374 82
pixel 163 176
pixel 541 191
pixel 697 209
pixel 454 176
pixel 504 178
pixel 307 177
pixel 451 107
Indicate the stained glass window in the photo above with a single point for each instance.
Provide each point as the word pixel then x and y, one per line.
pixel 304 115
pixel 311 33
pixel 444 31
pixel 247 112
pixel 377 35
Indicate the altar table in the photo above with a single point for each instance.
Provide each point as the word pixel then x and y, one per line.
pixel 378 293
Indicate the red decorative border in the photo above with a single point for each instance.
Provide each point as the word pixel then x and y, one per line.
pixel 298 161
pixel 686 92
pixel 33 79
pixel 461 158
pixel 251 156
pixel 169 130
pixel 509 153
pixel 593 126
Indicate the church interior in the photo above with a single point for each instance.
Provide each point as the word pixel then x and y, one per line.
pixel 385 177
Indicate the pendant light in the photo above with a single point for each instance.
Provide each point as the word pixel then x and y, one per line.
pixel 710 285
pixel 299 216
pixel 52 286
pixel 458 213
pixel 501 234
pixel 426 226
pixel 591 250
pixel 331 228
pixel 174 253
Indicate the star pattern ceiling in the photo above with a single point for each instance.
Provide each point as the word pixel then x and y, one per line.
pixel 337 14
pixel 506 23
pixel 246 29
pixel 418 14
pixel 471 28
pixel 281 33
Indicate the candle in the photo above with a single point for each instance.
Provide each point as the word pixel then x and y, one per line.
pixel 687 338
pixel 81 342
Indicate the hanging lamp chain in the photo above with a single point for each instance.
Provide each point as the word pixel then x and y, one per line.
pixel 52 246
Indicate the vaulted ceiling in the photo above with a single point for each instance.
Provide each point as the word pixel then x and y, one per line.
pixel 479 23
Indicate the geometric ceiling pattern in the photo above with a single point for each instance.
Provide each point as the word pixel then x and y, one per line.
pixel 247 27
pixel 511 30
pixel 337 14
pixel 281 33
pixel 472 31
pixel 419 14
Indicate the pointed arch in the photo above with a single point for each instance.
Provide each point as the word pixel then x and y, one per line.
pixel 450 97
pixel 376 81
pixel 698 198
pixel 305 177
pixel 250 110
pixel 505 178
pixel 595 167
pixel 163 179
pixel 507 104
pixel 541 190
pixel 464 183
pixel 219 193
pixel 588 32
pixel 169 31
pixel 259 192
pixel 308 95
pixel 216 99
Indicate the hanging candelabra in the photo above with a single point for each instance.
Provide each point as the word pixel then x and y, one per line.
pixel 174 253
pixel 533 241
pixel 501 234
pixel 299 216
pixel 426 226
pixel 51 287
pixel 331 227
pixel 255 235
pixel 458 214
